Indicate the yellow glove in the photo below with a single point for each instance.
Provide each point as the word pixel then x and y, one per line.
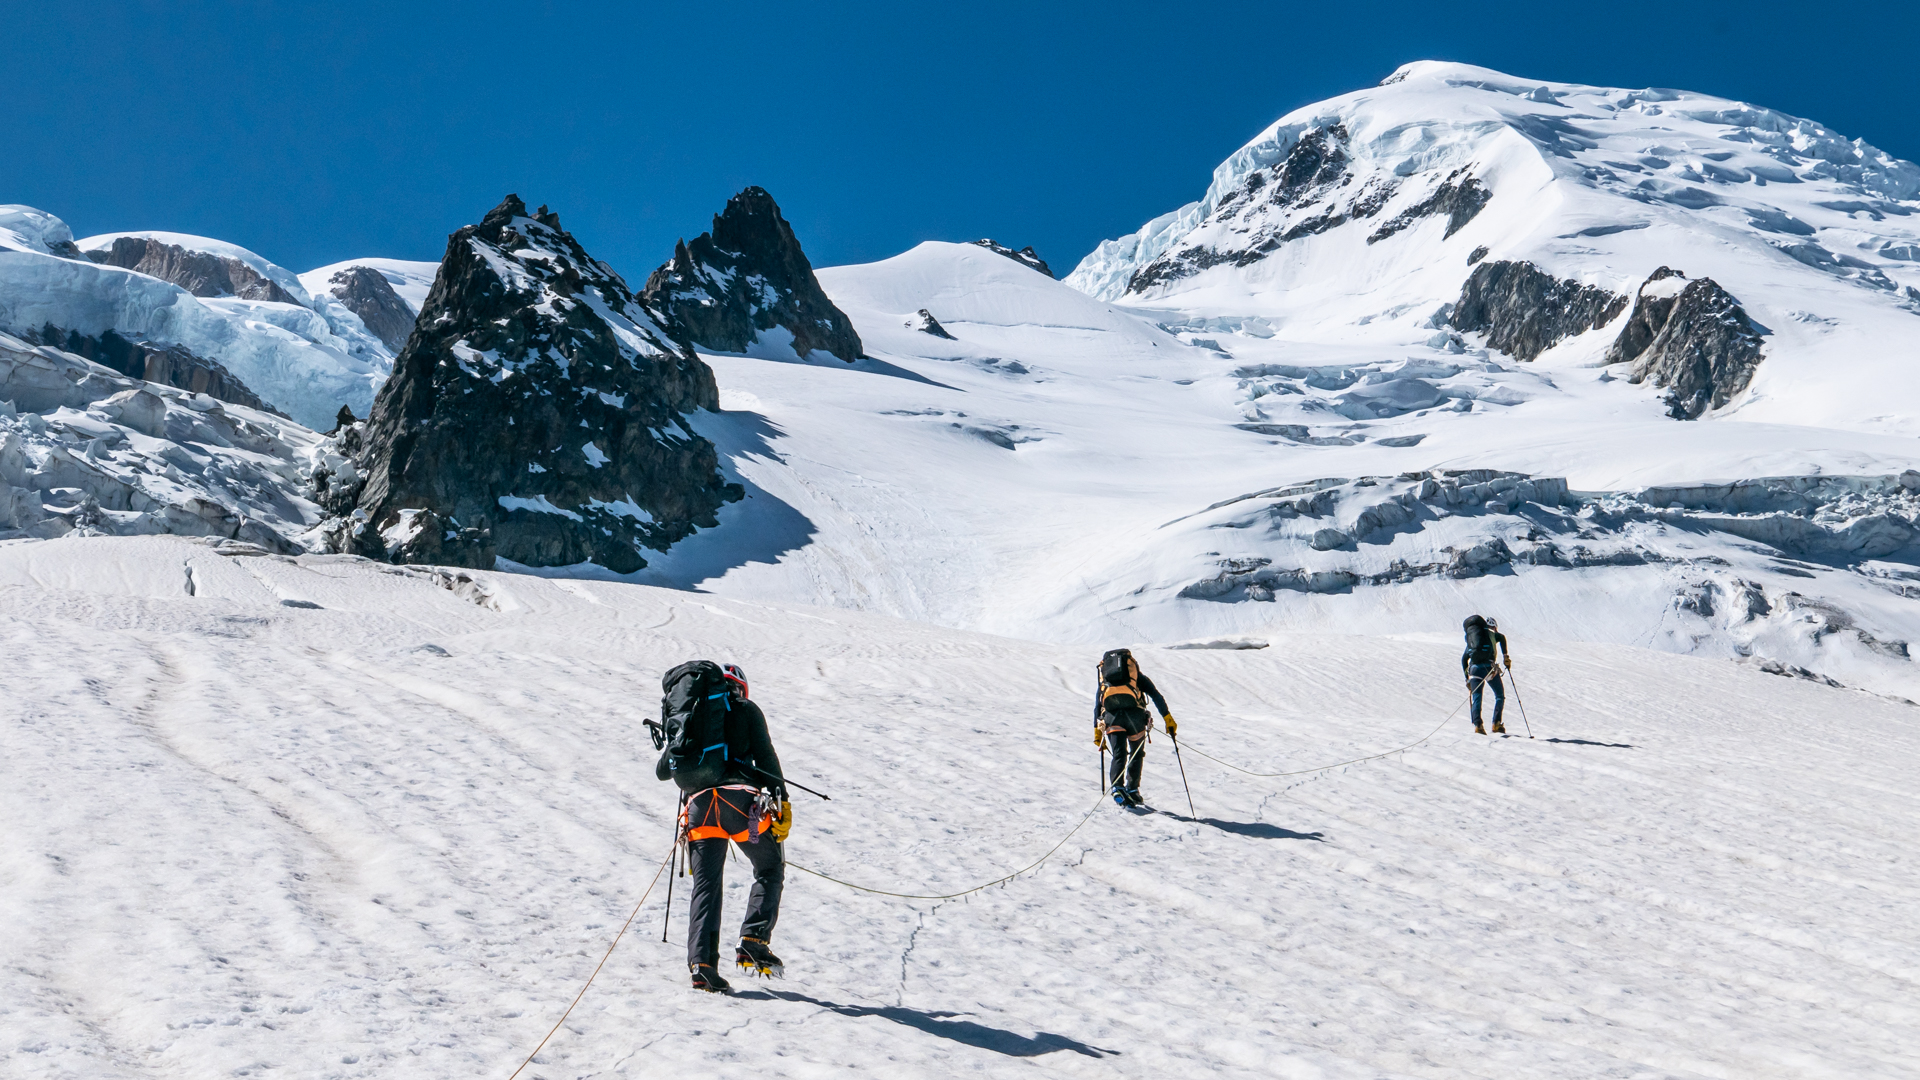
pixel 1172 728
pixel 1099 736
pixel 783 824
pixel 1509 663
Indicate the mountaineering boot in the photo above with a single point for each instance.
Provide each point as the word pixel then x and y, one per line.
pixel 707 977
pixel 1133 797
pixel 1499 728
pixel 1120 797
pixel 1477 729
pixel 755 958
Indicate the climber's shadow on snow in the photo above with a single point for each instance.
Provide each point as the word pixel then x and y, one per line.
pixel 998 1040
pixel 1590 742
pixel 1259 830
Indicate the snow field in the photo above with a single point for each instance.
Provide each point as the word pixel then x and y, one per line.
pixel 329 818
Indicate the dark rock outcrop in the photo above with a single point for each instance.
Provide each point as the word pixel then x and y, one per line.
pixel 367 294
pixel 169 365
pixel 1460 199
pixel 198 272
pixel 1026 256
pixel 1524 311
pixel 538 412
pixel 924 322
pixel 745 277
pixel 1693 339
pixel 1310 192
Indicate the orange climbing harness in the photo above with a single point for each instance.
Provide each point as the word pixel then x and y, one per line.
pixel 758 820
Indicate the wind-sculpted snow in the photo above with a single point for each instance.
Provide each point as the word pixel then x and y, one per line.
pixel 85 451
pixel 306 357
pixel 333 818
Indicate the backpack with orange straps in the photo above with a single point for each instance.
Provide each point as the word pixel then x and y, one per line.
pixel 1119 681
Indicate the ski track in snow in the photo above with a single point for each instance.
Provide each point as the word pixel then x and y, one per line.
pixel 252 839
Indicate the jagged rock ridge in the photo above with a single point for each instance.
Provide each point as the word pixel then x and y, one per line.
pixel 1692 338
pixel 1524 311
pixel 537 413
pixel 198 272
pixel 366 293
pixel 1026 256
pixel 745 277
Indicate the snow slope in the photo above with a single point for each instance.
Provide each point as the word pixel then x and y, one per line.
pixel 326 818
pixel 1053 473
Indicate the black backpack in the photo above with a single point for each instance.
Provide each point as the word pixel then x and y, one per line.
pixel 1479 640
pixel 694 703
pixel 1119 680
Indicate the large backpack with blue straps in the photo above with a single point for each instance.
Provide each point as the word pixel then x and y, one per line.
pixel 694 703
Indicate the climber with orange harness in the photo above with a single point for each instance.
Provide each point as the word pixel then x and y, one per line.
pixel 716 748
pixel 1120 721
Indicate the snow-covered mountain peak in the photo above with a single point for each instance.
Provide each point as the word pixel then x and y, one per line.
pixel 1556 161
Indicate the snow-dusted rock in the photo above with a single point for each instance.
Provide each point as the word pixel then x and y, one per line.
pixel 538 412
pixel 1525 311
pixel 1692 339
pixel 367 293
pixel 1026 256
pixel 747 282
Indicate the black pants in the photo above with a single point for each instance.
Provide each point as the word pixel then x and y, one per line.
pixel 707 859
pixel 1479 677
pixel 1129 757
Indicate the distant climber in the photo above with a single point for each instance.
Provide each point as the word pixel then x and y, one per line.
pixel 1120 721
pixel 1479 664
pixel 718 751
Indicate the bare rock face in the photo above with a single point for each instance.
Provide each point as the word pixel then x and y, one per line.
pixel 924 322
pixel 538 412
pixel 1524 311
pixel 1026 256
pixel 169 365
pixel 1692 338
pixel 198 272
pixel 368 294
pixel 729 287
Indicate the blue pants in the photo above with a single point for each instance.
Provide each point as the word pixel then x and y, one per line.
pixel 1477 681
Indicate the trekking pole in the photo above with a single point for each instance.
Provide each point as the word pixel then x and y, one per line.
pixel 1517 701
pixel 1191 812
pixel 672 865
pixel 1103 766
pixel 765 775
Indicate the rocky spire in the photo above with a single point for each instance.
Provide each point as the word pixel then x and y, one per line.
pixel 538 413
pixel 748 276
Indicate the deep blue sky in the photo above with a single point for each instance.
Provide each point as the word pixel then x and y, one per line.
pixel 340 130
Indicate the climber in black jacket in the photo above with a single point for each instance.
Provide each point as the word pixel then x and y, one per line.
pixel 748 808
pixel 1120 722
